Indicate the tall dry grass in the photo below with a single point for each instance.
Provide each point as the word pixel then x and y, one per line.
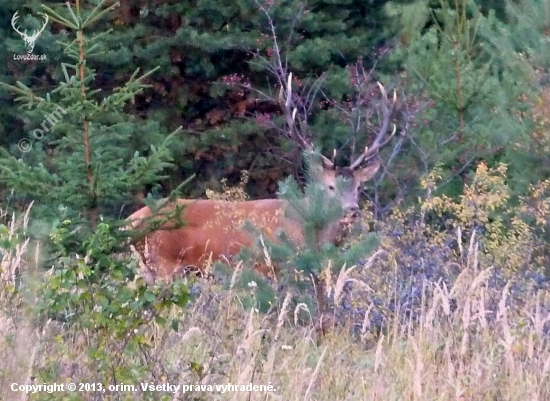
pixel 451 351
pixel 465 339
pixel 18 346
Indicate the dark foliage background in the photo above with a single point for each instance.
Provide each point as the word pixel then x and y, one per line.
pixel 469 76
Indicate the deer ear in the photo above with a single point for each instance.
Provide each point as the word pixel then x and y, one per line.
pixel 368 172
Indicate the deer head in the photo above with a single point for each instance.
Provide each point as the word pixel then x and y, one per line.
pixel 29 39
pixel 362 169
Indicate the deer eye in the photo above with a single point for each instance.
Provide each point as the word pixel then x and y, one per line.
pixel 331 187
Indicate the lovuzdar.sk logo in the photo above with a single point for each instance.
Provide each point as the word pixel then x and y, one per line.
pixel 30 39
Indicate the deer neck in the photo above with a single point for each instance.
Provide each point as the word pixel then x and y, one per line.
pixel 331 233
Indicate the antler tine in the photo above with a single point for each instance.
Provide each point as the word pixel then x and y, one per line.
pixel 13 19
pixel 36 32
pixel 380 140
pixel 288 91
pixel 291 119
pixel 46 18
pixel 291 116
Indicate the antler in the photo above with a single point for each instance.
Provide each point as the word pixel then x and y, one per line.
pixel 381 139
pixel 13 19
pixel 291 118
pixel 46 19
pixel 24 34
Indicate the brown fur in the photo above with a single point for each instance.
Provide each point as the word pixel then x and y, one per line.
pixel 213 229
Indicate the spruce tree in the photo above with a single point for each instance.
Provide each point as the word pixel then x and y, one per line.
pixel 77 160
pixel 78 165
pixel 196 47
pixel 306 267
pixel 14 68
pixel 520 47
pixel 472 116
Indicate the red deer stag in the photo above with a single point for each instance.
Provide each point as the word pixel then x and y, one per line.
pixel 213 229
